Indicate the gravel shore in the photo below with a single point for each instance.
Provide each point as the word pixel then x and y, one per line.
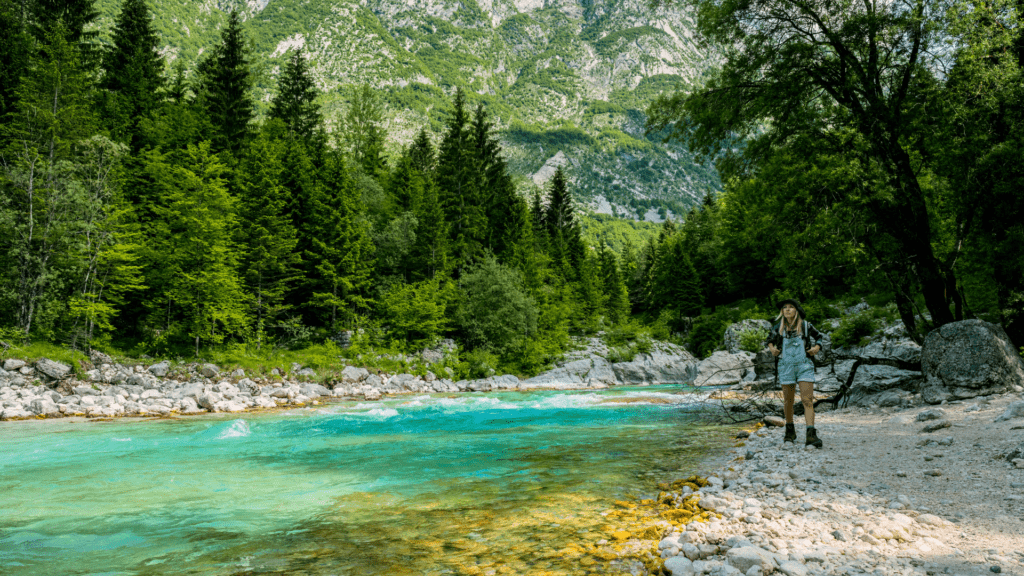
pixel 924 490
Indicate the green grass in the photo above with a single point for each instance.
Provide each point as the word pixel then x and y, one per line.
pixel 37 350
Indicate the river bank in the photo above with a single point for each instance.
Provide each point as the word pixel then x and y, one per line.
pixel 922 490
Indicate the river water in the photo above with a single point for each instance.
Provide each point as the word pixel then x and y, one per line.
pixel 467 484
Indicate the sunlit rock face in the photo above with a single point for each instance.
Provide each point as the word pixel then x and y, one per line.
pixel 567 77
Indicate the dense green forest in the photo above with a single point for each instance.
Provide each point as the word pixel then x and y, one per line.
pixel 154 212
pixel 149 209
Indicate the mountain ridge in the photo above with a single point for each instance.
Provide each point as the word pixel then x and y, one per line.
pixel 557 76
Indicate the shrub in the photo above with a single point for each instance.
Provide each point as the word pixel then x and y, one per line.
pixel 752 340
pixel 496 310
pixel 481 363
pixel 706 335
pixel 854 330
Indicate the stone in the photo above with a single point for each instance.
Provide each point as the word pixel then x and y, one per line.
pixel 970 358
pixel 306 373
pixel 873 380
pixel 931 414
pixel 793 568
pixel 1015 453
pixel 52 370
pixel 744 557
pixel 12 364
pixel 189 406
pixel 371 394
pixel 352 374
pixel 731 337
pixel 84 390
pixel 723 368
pixel 209 370
pixel 1015 410
pixel 930 520
pixel 938 425
pixel 209 400
pixel 775 421
pixel 679 566
pixel 44 407
pixel 559 378
pixel 160 369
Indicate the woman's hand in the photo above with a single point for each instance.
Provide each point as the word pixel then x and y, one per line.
pixel 775 351
pixel 814 350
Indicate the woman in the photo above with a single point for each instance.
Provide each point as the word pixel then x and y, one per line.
pixel 794 341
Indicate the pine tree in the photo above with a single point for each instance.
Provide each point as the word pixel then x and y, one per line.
pixel 133 71
pixel 75 16
pixel 340 259
pixel 617 303
pixel 191 255
pixel 591 300
pixel 295 102
pixel 497 191
pixel 458 182
pixel 15 48
pixel 40 198
pixel 566 240
pixel 676 285
pixel 431 253
pixel 177 88
pixel 421 151
pixel 269 262
pixel 226 84
pixel 362 131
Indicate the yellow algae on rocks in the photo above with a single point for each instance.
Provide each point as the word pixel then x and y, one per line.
pixel 621 535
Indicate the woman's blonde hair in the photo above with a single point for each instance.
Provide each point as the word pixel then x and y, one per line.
pixel 783 325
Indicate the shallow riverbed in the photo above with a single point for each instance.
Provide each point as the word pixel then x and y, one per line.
pixel 462 484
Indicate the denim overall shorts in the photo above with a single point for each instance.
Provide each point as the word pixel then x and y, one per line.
pixel 794 365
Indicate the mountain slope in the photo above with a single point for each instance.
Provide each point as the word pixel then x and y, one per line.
pixel 566 80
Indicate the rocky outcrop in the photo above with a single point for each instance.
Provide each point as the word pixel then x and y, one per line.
pixel 657 368
pixel 968 359
pixel 724 368
pixel 51 370
pixel 731 338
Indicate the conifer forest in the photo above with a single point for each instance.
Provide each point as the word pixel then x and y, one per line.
pixel 155 205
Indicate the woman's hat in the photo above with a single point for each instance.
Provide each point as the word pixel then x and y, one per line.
pixel 799 309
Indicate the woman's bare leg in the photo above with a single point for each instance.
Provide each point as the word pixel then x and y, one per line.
pixel 788 397
pixel 807 398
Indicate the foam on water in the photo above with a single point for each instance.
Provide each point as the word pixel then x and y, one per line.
pixel 377 413
pixel 238 429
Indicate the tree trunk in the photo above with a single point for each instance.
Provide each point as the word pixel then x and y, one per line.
pixel 912 228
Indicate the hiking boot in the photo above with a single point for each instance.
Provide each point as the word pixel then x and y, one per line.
pixel 812 438
pixel 790 433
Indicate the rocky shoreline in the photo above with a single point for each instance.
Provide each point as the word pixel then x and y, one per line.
pixel 107 389
pixel 890 494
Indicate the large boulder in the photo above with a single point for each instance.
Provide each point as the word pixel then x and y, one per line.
pixel 559 378
pixel 13 364
pixel 731 338
pixel 723 368
pixel 657 368
pixel 967 359
pixel 873 383
pixel 591 371
pixel 898 349
pixel 160 369
pixel 353 374
pixel 44 407
pixel 52 370
pixel 209 370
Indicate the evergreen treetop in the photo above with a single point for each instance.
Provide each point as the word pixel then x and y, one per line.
pixel 295 102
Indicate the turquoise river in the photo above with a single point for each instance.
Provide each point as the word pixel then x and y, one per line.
pixel 434 484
